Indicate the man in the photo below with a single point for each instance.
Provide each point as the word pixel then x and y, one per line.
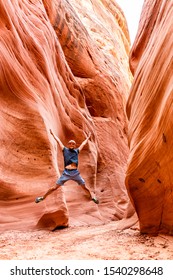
pixel 70 172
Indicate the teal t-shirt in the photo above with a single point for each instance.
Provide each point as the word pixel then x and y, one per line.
pixel 70 156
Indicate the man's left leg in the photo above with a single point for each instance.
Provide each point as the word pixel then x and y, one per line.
pixel 81 182
pixel 91 195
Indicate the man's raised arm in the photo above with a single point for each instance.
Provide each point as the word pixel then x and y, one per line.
pixel 57 139
pixel 84 142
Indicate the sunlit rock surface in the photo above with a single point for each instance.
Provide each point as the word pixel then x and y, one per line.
pixel 149 174
pixel 64 66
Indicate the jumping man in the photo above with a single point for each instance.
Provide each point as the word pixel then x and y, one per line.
pixel 70 172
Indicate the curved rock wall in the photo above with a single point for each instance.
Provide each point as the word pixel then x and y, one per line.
pixel 64 66
pixel 149 108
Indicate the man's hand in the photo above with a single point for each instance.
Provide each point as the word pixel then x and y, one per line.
pixel 85 141
pixel 57 139
pixel 87 136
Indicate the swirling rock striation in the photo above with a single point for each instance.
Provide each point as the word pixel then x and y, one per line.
pixel 149 108
pixel 61 70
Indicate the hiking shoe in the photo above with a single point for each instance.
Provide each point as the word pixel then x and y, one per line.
pixel 95 200
pixel 38 199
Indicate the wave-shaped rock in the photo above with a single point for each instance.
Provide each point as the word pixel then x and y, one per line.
pixel 64 66
pixel 149 108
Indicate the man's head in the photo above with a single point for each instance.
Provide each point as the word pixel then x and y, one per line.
pixel 71 144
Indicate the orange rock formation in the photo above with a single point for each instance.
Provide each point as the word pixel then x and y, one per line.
pixel 149 108
pixel 64 66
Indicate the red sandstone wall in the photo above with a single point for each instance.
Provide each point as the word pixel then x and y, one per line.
pixel 149 174
pixel 61 70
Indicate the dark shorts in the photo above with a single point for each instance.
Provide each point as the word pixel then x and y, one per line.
pixel 73 175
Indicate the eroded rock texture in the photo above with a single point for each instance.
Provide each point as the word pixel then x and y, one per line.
pixel 149 174
pixel 64 66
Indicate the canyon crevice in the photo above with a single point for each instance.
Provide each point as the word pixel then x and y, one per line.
pixel 68 66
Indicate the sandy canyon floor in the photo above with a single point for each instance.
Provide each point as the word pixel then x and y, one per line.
pixel 101 242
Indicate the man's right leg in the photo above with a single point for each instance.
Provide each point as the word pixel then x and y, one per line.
pixel 40 198
pixel 63 178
